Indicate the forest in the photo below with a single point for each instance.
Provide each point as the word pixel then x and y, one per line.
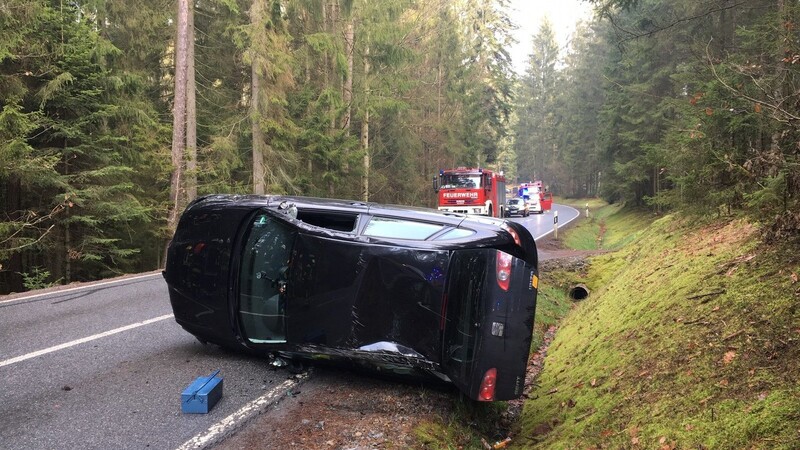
pixel 117 113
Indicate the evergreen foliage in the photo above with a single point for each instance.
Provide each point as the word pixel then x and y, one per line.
pixel 679 104
pixel 675 105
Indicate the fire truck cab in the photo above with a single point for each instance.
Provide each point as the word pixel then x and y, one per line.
pixel 471 191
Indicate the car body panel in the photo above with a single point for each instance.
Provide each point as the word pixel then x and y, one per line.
pixel 340 281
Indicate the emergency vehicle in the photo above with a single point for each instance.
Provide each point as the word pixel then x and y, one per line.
pixel 471 191
pixel 536 195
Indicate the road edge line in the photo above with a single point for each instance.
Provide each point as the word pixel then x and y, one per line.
pixel 227 426
pixel 88 285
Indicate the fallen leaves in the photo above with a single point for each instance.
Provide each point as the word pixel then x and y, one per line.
pixel 633 432
pixel 729 356
pixel 664 445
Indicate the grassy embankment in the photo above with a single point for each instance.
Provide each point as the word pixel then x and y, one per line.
pixel 690 339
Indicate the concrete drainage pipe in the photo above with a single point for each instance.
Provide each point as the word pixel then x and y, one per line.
pixel 578 292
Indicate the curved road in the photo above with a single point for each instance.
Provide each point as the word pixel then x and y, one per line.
pixel 540 225
pixel 103 366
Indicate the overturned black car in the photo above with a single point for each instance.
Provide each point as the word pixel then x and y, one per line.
pixel 397 288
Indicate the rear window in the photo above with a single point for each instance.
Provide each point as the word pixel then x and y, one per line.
pixel 400 229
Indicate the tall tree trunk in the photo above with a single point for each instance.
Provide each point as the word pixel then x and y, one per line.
pixel 347 92
pixel 333 19
pixel 179 111
pixel 778 89
pixel 67 234
pixel 326 75
pixel 365 127
pixel 191 113
pixel 13 211
pixel 256 18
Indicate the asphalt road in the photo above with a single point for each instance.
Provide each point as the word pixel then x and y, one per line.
pixel 541 225
pixel 102 366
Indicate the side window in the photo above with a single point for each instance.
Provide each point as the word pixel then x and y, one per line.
pixel 331 221
pixel 400 229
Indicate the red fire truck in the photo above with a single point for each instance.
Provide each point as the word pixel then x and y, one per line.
pixel 535 192
pixel 471 191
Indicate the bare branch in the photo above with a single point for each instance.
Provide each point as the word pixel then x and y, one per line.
pixel 776 108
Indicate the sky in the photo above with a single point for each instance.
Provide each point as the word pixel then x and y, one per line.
pixel 527 14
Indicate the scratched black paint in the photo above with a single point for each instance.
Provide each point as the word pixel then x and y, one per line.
pixel 351 293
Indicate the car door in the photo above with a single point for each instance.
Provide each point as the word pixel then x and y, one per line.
pixel 298 278
pixel 262 279
pixel 361 291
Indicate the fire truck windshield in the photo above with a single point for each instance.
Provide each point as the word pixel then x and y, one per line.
pixel 453 181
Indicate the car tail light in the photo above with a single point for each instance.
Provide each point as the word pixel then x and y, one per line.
pixel 503 271
pixel 486 394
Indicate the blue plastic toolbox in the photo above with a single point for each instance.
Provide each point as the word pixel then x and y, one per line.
pixel 202 394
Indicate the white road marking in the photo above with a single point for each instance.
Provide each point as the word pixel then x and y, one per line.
pixel 88 286
pixel 561 224
pixel 82 340
pixel 227 425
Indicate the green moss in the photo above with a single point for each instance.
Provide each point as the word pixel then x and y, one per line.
pixel 691 338
pixel 441 436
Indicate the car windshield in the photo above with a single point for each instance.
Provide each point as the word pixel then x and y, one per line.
pixel 452 181
pixel 513 201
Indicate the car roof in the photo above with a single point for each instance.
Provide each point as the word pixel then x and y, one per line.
pixel 351 206
pixel 489 231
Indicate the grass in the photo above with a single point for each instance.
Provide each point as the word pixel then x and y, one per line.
pixel 691 339
pixel 608 227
